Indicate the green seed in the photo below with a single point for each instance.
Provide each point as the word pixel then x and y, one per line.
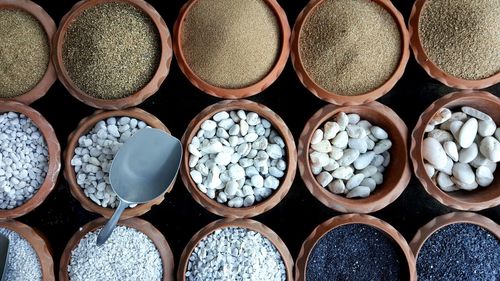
pixel 231 43
pixel 24 52
pixel 350 47
pixel 111 50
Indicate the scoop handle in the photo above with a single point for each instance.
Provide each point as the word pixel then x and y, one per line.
pixel 111 224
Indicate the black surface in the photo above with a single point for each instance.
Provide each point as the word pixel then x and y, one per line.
pixel 177 102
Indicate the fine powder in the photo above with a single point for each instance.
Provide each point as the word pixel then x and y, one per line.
pixel 235 253
pixel 23 262
pixel 462 37
pixel 24 52
pixel 350 47
pixel 128 255
pixel 231 43
pixel 460 251
pixel 111 50
pixel 353 252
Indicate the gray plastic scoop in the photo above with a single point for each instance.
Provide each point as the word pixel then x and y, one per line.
pixel 142 170
pixel 4 255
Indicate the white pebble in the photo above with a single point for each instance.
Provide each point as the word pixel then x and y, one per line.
pixel 360 191
pixel 468 133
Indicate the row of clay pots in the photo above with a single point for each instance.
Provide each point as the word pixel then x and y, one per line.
pixel 289 44
pixel 409 251
pixel 397 174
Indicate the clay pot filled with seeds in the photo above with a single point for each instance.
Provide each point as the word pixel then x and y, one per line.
pixel 243 247
pixel 90 152
pixel 29 254
pixel 26 32
pixel 455 150
pixel 112 54
pixel 457 42
pixel 227 55
pixel 457 246
pixel 355 247
pixel 349 52
pixel 354 158
pixel 136 250
pixel 239 159
pixel 30 161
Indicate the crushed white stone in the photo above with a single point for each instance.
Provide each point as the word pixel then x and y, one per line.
pixel 23 262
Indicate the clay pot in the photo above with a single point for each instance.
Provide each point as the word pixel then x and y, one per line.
pixel 148 90
pixel 285 182
pixel 440 222
pixel 39 243
pixel 241 223
pixel 396 176
pixel 430 67
pixel 54 158
pixel 479 199
pixel 87 124
pixel 335 98
pixel 227 93
pixel 140 225
pixel 336 222
pixel 50 28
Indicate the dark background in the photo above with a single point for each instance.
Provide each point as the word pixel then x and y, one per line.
pixel 177 102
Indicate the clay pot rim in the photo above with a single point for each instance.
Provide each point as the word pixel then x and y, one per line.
pixel 139 96
pixel 54 158
pixel 229 93
pixel 84 126
pixel 440 222
pixel 138 224
pixel 338 221
pixel 49 26
pixel 38 243
pixel 285 182
pixel 338 99
pixel 338 202
pixel 250 224
pixel 417 157
pixel 432 69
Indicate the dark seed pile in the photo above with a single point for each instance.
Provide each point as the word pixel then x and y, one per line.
pixel 111 50
pixel 460 252
pixel 353 252
pixel 462 37
pixel 24 52
pixel 350 47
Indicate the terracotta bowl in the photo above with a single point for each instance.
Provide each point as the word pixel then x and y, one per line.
pixel 334 98
pixel 479 199
pixel 151 88
pixel 226 93
pixel 285 183
pixel 242 223
pixel 335 222
pixel 440 222
pixel 430 67
pixel 54 158
pixel 396 176
pixel 140 225
pixel 87 124
pixel 39 243
pixel 49 26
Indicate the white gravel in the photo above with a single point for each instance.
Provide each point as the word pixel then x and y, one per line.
pixel 23 261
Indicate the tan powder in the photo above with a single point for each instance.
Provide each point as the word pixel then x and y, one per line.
pixel 462 37
pixel 350 47
pixel 231 43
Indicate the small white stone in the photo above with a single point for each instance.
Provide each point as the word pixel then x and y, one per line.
pixel 331 129
pixel 484 176
pixel 350 155
pixel 336 153
pixel 343 173
pixel 434 153
pixel 448 167
pixel 490 148
pixel 324 178
pixel 440 135
pixel 476 113
pixel 486 128
pixel 211 148
pixel 369 182
pixel 354 181
pixel 378 178
pixel 444 181
pixel 257 181
pixel 322 146
pixel 252 118
pixel 236 172
pixel 342 120
pixel 369 171
pixel 208 125
pixel 483 161
pixel 355 131
pixel 332 165
pixel 379 133
pixel 466 155
pixel 337 187
pixel 455 127
pixel 271 182
pixel 378 160
pixel 353 118
pixel 451 149
pixel 429 170
pixel 319 158
pixel 220 116
pixel 464 186
pixel 441 116
pixel 364 160
pixel 341 139
pixel 317 136
pixel 468 133
pixel 274 151
pixel 382 146
pixel 463 173
pixel 360 191
pixel 358 144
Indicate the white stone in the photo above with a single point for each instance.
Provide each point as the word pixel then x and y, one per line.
pixel 483 161
pixel 337 187
pixel 486 128
pixel 360 191
pixel 354 181
pixel 324 178
pixel 440 135
pixel 484 176
pixel 455 127
pixel 358 144
pixel 451 149
pixel 355 131
pixel 490 148
pixel 444 181
pixel 343 173
pixel 382 146
pixel 463 173
pixel 369 182
pixel 332 165
pixel 271 182
pixel 468 133
pixel 433 152
pixel 476 113
pixel 317 136
pixel 441 116
pixel 466 155
pixel 236 172
pixel 369 171
pixel 448 168
pixel 429 170
pixel 257 181
pixel 322 146
pixel 336 153
pixel 353 118
pixel 341 139
pixel 319 158
pixel 350 155
pixel 208 125
pixel 196 176
pixel 463 185
pixel 342 119
pixel 378 178
pixel 364 160
pixel 379 133
pixel 330 130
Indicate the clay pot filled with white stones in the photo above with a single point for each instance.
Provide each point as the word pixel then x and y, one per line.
pixel 354 158
pixel 30 159
pixel 456 148
pixel 239 158
pixel 90 152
